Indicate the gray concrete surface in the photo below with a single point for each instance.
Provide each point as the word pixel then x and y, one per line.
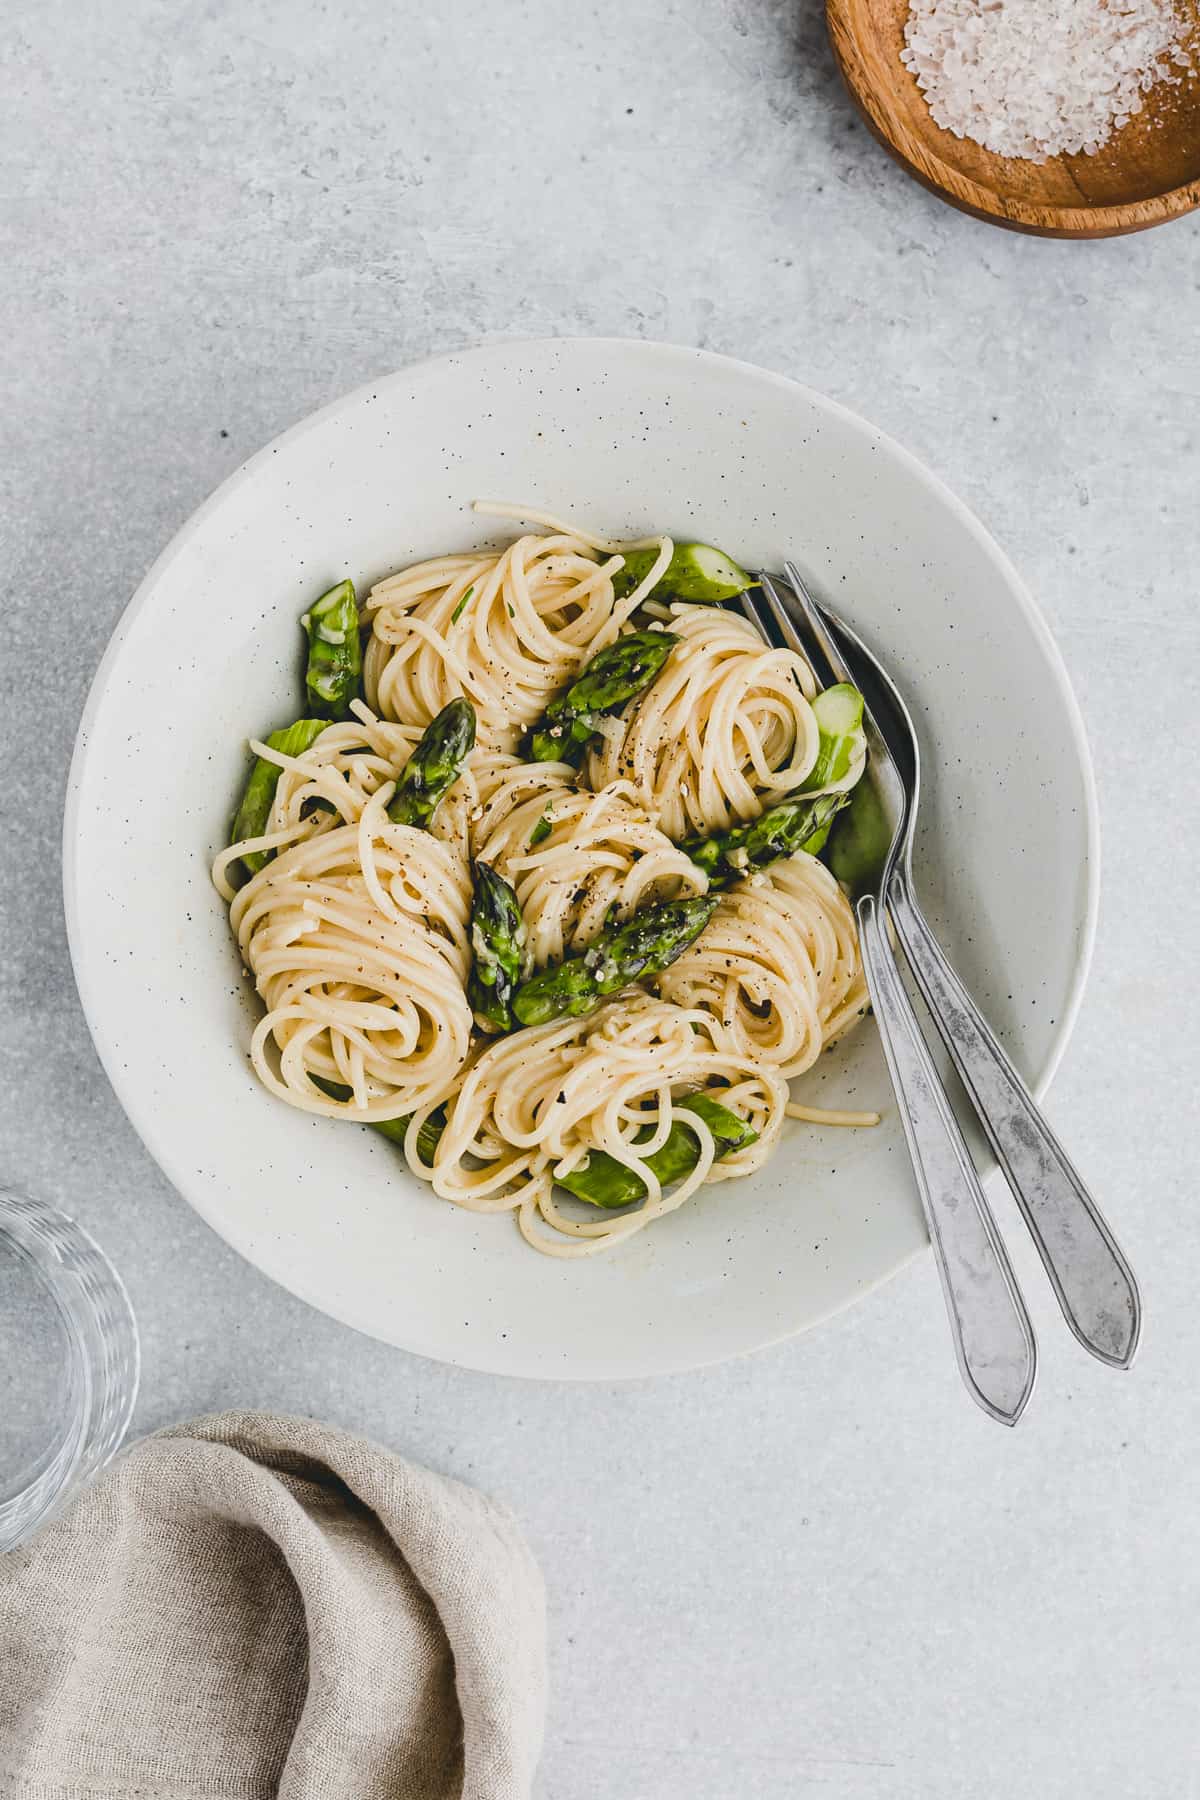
pixel 818 1572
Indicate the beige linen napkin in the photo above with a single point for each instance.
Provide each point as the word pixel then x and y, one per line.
pixel 251 1606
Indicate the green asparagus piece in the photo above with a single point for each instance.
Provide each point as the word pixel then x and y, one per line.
pixel 604 1181
pixel 789 826
pixel 858 847
pixel 839 713
pixel 334 652
pixel 497 939
pixel 647 944
pixel 696 572
pixel 428 1136
pixel 252 815
pixel 814 845
pixel 434 766
pixel 616 675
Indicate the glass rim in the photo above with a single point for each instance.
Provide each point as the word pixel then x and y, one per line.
pixel 103 1355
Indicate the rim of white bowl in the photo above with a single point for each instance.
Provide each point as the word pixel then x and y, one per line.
pixel 142 1119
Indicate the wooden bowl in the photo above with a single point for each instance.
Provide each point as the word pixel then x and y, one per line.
pixel 1147 173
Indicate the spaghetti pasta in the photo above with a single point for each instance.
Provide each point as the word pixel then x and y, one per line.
pixel 537 1102
pixel 505 630
pixel 357 930
pixel 726 729
pixel 578 859
pixel 778 966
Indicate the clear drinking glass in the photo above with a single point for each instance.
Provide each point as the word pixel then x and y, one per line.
pixel 69 1363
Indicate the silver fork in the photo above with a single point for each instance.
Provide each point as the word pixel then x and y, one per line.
pixel 1092 1281
pixel 993 1338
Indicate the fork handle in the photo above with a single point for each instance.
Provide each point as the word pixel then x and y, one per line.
pixel 993 1338
pixel 1092 1280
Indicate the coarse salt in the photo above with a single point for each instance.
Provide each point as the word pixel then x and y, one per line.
pixel 1037 78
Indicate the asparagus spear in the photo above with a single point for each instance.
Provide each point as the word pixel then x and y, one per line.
pixel 616 675
pixel 696 572
pixel 601 1179
pixel 434 766
pixel 258 798
pixel 604 1181
pixel 497 938
pixel 428 1136
pixel 649 943
pixel 791 825
pixel 859 846
pixel 334 652
pixel 838 711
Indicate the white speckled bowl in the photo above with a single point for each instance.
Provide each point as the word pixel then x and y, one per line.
pixel 629 437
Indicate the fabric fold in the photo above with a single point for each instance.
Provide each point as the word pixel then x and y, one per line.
pixel 251 1606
